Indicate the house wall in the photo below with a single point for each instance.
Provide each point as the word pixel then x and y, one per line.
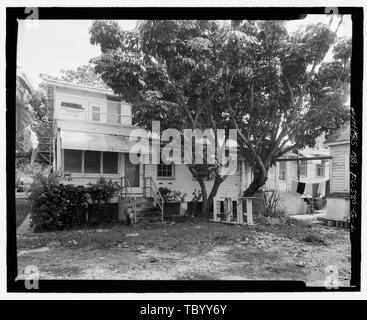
pixel 87 99
pixel 184 182
pixel 340 168
pixel 291 174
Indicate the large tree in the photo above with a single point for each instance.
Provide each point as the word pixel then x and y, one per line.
pixel 168 72
pixel 273 87
pixel 289 95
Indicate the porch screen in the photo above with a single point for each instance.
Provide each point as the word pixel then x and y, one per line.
pixel 72 161
pixel 92 162
pixel 110 162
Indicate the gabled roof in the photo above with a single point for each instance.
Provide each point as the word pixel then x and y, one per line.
pixel 342 135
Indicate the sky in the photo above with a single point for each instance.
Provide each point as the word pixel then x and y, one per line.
pixel 64 44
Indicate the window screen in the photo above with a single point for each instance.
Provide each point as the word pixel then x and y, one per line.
pixel 96 115
pixel 110 162
pixel 92 162
pixel 72 161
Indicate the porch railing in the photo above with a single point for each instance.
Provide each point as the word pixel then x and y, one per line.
pixel 128 192
pixel 154 193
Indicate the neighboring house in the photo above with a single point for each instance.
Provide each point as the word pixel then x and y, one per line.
pixel 310 165
pixel 338 200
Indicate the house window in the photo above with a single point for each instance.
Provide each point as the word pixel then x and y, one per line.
pixel 303 168
pixel 164 170
pixel 113 112
pixel 92 162
pixel 110 162
pixel 71 105
pixel 73 161
pixel 320 169
pixel 282 170
pixel 96 113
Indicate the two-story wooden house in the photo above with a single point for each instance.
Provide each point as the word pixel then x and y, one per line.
pixel 91 134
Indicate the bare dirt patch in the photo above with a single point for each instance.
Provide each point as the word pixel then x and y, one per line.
pixel 190 251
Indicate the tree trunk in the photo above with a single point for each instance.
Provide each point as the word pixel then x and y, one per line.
pixel 217 182
pixel 259 180
pixel 207 201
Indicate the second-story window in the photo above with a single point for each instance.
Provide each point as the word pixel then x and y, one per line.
pixel 113 112
pixel 96 113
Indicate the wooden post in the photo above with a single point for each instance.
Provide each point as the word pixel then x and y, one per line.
pixel 230 208
pixel 144 186
pixel 215 213
pixel 250 221
pixel 226 209
pixel 240 210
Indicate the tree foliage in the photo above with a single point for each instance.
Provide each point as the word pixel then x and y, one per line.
pixel 275 87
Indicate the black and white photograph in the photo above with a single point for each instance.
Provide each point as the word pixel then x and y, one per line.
pixel 218 150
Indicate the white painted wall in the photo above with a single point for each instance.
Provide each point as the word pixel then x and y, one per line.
pixel 340 168
pixel 87 99
pixel 184 182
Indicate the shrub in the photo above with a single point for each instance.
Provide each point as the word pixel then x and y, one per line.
pixel 52 202
pixel 271 200
pixel 56 206
pixel 101 194
pixel 171 196
pixel 196 198
pixel 103 191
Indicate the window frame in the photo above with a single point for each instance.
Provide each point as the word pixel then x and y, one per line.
pixel 81 161
pixel 114 114
pixel 172 177
pixel 101 173
pixel 303 166
pixel 319 166
pixel 102 162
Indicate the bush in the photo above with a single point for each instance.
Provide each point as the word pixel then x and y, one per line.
pixel 55 206
pixel 52 202
pixel 271 201
pixel 101 194
pixel 195 202
pixel 170 196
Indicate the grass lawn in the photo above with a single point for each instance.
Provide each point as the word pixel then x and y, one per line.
pixel 190 250
pixel 21 210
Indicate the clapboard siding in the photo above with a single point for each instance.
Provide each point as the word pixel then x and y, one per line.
pixel 339 168
pixel 184 182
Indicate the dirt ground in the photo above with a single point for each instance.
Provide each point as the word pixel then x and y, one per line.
pixel 192 250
